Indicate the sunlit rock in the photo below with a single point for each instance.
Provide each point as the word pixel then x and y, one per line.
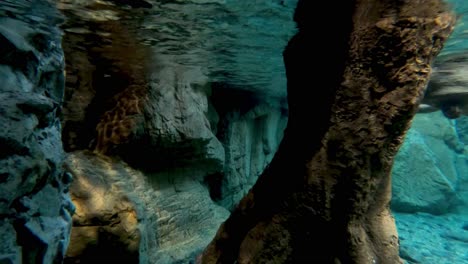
pixel 105 220
pixel 124 214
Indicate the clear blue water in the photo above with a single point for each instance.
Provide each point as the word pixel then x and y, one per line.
pixel 434 228
pixel 459 40
pixel 240 43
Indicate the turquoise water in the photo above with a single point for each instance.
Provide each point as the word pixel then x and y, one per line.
pixel 240 44
pixel 430 176
pixel 237 43
pixel 430 192
pixel 459 39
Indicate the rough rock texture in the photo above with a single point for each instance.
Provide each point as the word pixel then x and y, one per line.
pixel 156 209
pixel 171 148
pixel 166 120
pixel 428 170
pixel 126 216
pixel 178 127
pixel 250 136
pixel 428 238
pixel 122 99
pixel 105 85
pixel 35 207
pixel 105 220
pixel 325 196
pixel 462 128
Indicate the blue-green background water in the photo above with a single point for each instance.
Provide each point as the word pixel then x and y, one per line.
pixel 430 177
pixel 458 41
pixel 240 43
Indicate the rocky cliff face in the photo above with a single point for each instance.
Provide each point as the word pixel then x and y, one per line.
pixel 189 142
pixel 170 113
pixel 35 207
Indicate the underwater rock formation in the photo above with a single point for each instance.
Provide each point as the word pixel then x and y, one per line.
pixel 195 144
pixel 250 128
pixel 35 207
pixel 171 111
pixel 429 168
pixel 157 119
pixel 429 192
pixel 325 196
pixel 162 211
pixel 105 220
pixel 128 216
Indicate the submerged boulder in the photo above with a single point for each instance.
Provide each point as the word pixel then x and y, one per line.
pixel 429 167
pixel 126 215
